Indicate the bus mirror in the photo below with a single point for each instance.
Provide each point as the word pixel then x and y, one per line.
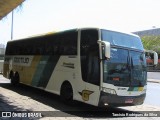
pixel 106 48
pixel 155 58
pixel 151 57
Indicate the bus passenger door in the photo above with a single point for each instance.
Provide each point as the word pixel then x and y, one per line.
pixel 93 79
pixel 90 66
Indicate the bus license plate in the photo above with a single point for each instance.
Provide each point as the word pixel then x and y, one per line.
pixel 129 101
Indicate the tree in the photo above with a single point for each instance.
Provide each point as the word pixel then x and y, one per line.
pixel 151 43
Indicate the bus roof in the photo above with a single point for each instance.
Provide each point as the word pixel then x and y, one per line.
pixel 75 29
pixel 42 35
pixel 112 30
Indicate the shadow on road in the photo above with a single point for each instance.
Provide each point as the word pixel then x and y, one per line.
pixel 76 109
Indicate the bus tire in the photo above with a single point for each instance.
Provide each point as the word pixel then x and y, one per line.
pixel 15 79
pixel 66 93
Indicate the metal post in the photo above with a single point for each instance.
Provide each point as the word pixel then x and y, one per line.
pixel 12 25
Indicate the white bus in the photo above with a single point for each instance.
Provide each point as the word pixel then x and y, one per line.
pixel 95 66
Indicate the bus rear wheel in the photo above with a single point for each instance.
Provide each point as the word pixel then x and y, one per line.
pixel 66 93
pixel 15 79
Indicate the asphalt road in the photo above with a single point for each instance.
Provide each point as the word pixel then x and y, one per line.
pixel 153 75
pixel 153 94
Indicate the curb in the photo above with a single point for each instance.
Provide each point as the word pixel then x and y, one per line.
pixel 153 81
pixel 153 70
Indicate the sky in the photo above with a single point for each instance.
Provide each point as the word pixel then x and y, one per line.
pixel 42 16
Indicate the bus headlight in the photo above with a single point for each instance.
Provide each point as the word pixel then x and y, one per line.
pixel 108 90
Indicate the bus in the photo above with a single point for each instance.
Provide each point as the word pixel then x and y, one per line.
pixel 92 65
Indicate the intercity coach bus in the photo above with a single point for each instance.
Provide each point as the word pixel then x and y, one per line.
pixel 91 65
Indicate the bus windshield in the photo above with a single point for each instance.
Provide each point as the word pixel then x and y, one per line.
pixel 121 39
pixel 125 68
pixel 127 63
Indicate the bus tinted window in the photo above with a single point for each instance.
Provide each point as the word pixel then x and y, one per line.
pixel 89 56
pixel 56 44
pixel 121 39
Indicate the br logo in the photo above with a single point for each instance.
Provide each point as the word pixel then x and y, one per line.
pixel 85 94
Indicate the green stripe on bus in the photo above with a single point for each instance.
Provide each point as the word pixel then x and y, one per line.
pixel 48 70
pixel 44 70
pixel 39 70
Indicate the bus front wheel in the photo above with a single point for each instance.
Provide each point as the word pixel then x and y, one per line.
pixel 66 93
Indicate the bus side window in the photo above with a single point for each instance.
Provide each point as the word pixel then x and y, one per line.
pixel 89 57
pixel 69 43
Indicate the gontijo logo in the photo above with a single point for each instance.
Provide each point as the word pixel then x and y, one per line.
pixel 21 60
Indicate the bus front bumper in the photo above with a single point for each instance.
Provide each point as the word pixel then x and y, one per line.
pixel 117 101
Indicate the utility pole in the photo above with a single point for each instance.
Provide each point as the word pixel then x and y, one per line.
pixel 12 25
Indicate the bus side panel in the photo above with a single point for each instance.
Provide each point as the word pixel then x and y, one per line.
pixel 24 65
pixel 67 69
pixel 7 67
pixel 44 70
pixel 27 72
pixel 39 70
pixel 6 70
pixel 64 70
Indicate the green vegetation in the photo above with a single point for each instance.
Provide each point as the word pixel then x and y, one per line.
pixel 151 43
